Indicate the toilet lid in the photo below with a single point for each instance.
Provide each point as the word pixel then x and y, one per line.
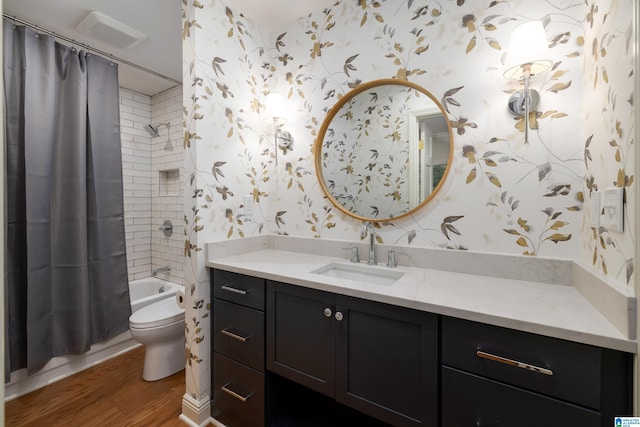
pixel 163 312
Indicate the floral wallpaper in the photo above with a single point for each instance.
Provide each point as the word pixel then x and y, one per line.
pixel 608 131
pixel 502 195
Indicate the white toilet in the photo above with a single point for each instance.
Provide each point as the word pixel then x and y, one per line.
pixel 160 328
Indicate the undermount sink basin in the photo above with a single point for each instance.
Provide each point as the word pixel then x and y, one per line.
pixel 360 272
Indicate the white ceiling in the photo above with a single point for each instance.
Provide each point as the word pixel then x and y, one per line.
pixel 159 20
pixel 273 14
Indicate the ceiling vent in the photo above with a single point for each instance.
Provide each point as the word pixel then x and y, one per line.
pixel 108 30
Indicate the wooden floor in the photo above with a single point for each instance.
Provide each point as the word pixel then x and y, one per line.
pixel 111 394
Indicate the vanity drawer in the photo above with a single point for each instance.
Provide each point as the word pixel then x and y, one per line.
pixel 239 333
pixel 554 367
pixel 238 288
pixel 469 400
pixel 238 394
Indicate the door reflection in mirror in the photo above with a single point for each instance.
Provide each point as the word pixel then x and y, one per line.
pixel 428 152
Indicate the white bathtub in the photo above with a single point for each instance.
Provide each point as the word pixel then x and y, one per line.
pixel 143 292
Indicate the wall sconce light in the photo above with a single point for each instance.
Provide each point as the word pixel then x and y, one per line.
pixel 527 56
pixel 274 111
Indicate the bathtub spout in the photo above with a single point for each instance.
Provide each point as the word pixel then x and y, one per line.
pixel 164 269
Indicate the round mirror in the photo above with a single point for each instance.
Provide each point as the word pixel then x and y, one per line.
pixel 383 150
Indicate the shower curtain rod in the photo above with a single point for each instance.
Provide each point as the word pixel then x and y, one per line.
pixel 87 47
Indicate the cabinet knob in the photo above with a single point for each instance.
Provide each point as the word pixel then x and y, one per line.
pixel 328 312
pixel 339 316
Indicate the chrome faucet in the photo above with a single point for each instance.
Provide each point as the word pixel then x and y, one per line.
pixel 368 227
pixel 164 269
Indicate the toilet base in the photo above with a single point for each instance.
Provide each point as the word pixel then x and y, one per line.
pixel 163 359
pixel 160 328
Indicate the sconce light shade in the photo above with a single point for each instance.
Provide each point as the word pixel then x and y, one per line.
pixel 528 45
pixel 274 108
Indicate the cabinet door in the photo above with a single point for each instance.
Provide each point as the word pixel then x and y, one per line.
pixel 301 335
pixel 470 400
pixel 387 362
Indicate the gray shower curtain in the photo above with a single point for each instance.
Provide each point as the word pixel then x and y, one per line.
pixel 66 286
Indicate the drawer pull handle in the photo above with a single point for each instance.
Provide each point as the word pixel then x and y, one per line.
pixel 234 336
pixel 234 290
pixel 512 362
pixel 234 394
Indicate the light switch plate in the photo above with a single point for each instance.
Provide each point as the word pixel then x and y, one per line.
pixel 595 209
pixel 247 204
pixel 612 209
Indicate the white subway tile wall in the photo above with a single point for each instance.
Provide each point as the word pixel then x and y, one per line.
pixel 167 157
pixel 135 112
pixel 144 161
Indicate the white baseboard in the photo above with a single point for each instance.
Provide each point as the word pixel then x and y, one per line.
pixel 196 413
pixel 190 423
pixel 65 366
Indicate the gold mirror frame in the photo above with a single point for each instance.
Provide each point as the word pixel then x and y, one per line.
pixel 317 151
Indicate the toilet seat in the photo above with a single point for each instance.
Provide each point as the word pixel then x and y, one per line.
pixel 161 313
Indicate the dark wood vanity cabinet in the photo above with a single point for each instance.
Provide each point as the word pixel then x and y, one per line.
pixel 275 342
pixel 379 359
pixel 516 378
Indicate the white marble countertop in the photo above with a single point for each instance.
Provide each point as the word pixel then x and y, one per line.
pixel 555 310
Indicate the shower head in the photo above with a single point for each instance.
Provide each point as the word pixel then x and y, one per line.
pixel 152 131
